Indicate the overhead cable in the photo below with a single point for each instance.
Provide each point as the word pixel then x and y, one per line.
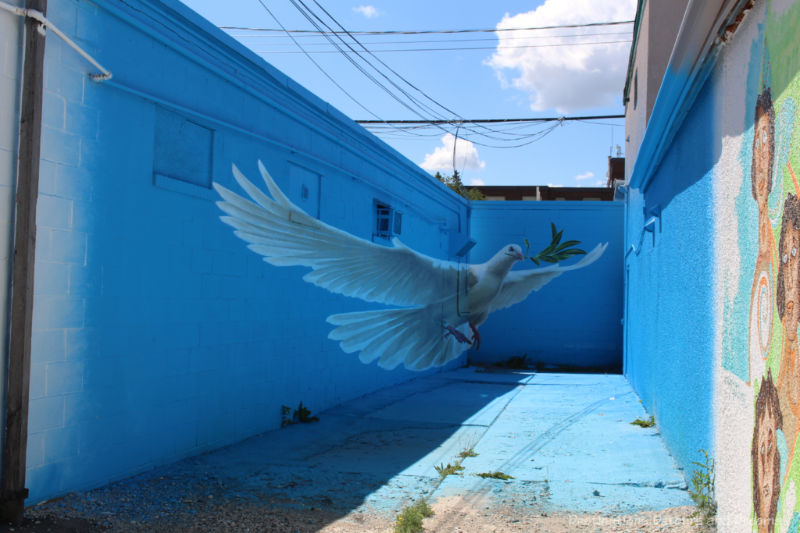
pixel 427 32
pixel 489 120
pixel 449 49
pixel 308 13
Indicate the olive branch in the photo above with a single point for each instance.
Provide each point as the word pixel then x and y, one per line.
pixel 557 251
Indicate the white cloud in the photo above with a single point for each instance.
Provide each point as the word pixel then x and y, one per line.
pixel 442 157
pixel 600 183
pixel 585 176
pixel 566 78
pixel 475 181
pixel 555 185
pixel 368 11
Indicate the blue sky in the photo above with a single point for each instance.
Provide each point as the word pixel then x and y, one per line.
pixel 529 81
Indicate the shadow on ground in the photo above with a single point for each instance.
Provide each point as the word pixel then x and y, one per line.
pixel 566 440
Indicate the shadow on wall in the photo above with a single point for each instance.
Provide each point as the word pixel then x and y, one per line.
pixel 684 163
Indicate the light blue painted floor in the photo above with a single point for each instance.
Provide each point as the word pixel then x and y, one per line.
pixel 566 439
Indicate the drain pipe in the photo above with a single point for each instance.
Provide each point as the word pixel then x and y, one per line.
pixel 12 489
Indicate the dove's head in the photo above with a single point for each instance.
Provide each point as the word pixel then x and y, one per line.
pixel 503 260
pixel 513 250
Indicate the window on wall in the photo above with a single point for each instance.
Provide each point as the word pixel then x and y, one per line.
pixel 182 149
pixel 388 221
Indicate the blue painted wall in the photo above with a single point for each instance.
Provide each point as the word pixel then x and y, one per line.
pixel 157 334
pixel 575 319
pixel 669 335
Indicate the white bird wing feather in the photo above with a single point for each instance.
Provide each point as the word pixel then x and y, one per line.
pixel 342 263
pixel 412 336
pixel 518 284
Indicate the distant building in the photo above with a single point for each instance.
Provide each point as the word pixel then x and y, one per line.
pixel 654 34
pixel 545 192
pixel 616 171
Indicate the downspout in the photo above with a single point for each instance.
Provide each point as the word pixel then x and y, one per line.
pixel 12 490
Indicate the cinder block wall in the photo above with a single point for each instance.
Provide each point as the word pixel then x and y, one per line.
pixel 157 334
pixel 573 321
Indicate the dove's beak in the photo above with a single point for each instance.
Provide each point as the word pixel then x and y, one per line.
pixel 520 256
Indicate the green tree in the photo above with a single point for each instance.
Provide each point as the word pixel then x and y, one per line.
pixel 456 185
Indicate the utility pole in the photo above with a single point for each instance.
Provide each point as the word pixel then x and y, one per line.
pixel 12 490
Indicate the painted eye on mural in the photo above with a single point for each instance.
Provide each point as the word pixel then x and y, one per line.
pixel 785 258
pixel 758 144
pixel 794 252
pixel 764 136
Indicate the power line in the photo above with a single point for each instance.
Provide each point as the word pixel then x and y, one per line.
pixel 385 130
pixel 311 16
pixel 414 100
pixel 407 100
pixel 418 41
pixel 425 32
pixel 454 48
pixel 490 120
pixel 318 65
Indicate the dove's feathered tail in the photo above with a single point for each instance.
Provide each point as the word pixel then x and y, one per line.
pixel 416 337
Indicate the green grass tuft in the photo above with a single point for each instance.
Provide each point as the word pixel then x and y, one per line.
pixel 445 471
pixel 410 519
pixel 702 491
pixel 494 475
pixel 468 452
pixel 644 423
pixel 301 415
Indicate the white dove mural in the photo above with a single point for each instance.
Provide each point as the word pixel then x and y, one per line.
pixel 431 325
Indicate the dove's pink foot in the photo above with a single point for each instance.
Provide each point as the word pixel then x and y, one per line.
pixel 460 337
pixel 476 337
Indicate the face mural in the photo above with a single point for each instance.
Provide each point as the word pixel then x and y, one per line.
pixel 789 311
pixel 766 360
pixel 765 456
pixel 430 328
pixel 762 289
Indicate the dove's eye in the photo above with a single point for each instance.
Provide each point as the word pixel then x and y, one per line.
pixel 510 249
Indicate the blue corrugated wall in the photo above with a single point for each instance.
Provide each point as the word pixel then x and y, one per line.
pixel 575 320
pixel 157 334
pixel 669 333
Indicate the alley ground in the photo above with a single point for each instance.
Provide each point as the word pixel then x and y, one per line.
pixel 575 461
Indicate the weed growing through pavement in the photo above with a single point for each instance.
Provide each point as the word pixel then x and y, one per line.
pixel 445 471
pixel 410 519
pixel 702 491
pixel 650 422
pixel 468 452
pixel 301 415
pixel 468 449
pixel 494 475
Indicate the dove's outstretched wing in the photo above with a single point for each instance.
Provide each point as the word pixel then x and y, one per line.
pixel 520 283
pixel 342 263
